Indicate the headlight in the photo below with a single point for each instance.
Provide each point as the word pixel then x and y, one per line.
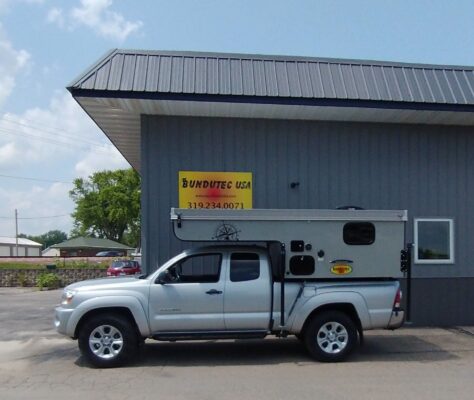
pixel 67 296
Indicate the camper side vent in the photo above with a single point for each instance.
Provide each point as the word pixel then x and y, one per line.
pixel 302 265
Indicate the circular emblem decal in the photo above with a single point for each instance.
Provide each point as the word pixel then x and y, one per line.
pixel 226 232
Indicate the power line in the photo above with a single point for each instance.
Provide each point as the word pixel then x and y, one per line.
pixel 33 179
pixel 43 217
pixel 46 217
pixel 52 141
pixel 53 131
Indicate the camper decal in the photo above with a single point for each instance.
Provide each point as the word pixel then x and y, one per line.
pixel 341 269
pixel 226 232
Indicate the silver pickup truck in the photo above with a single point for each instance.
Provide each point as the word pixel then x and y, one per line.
pixel 222 292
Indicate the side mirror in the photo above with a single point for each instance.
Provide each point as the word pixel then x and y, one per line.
pixel 163 278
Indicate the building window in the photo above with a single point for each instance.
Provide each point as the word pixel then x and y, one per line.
pixel 434 241
pixel 358 233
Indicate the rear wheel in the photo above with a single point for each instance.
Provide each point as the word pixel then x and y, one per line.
pixel 331 336
pixel 108 341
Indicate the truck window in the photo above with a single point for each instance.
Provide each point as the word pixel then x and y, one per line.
pixel 358 233
pixel 244 267
pixel 202 268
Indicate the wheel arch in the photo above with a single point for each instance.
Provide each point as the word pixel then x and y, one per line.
pixel 127 306
pixel 107 311
pixel 346 308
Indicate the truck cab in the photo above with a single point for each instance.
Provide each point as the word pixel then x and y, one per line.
pixel 228 287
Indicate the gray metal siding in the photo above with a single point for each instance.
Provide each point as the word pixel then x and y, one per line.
pixel 277 76
pixel 442 301
pixel 427 170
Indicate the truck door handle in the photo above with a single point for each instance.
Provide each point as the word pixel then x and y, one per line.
pixel 214 291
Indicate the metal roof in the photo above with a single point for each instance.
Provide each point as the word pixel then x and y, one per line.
pixel 87 242
pixel 276 76
pixel 21 241
pixel 125 84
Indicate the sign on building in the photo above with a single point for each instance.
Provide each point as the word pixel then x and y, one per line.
pixel 229 190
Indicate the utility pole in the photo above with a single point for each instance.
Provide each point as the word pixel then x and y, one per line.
pixel 16 231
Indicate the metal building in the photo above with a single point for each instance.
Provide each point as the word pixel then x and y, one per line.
pixel 25 248
pixel 314 133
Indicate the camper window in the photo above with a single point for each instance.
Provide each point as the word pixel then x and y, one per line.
pixel 358 233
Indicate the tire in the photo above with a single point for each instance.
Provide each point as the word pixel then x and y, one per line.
pixel 108 341
pixel 331 336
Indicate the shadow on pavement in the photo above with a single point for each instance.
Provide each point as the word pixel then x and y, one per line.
pixel 401 348
pixel 279 351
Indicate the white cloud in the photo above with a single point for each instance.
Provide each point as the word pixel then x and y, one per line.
pixel 98 162
pixel 8 153
pixel 40 205
pixel 62 129
pixel 55 16
pixel 59 142
pixel 12 61
pixel 95 14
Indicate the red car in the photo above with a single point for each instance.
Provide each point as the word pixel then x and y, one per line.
pixel 124 267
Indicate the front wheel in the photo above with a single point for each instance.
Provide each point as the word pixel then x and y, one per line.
pixel 108 341
pixel 331 336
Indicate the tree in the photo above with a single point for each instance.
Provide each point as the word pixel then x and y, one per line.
pixel 108 206
pixel 47 239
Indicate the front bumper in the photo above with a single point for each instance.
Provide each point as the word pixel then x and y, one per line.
pixel 396 320
pixel 61 319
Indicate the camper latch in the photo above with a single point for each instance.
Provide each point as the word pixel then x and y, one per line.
pixel 178 221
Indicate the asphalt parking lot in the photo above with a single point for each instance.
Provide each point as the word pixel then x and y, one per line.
pixel 36 363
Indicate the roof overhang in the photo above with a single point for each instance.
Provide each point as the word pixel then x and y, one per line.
pixel 118 115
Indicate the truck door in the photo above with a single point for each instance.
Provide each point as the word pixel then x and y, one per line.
pixel 247 298
pixel 193 299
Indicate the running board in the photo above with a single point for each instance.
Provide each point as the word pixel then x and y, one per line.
pixel 209 335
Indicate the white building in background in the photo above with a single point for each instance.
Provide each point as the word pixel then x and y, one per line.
pixel 26 247
pixel 50 252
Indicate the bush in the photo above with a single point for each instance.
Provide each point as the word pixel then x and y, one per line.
pixel 49 280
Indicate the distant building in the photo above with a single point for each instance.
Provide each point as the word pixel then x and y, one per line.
pixel 50 252
pixel 26 247
pixel 89 247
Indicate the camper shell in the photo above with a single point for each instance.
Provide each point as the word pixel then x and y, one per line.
pixel 318 244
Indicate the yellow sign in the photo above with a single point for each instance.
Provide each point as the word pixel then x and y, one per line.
pixel 341 269
pixel 229 190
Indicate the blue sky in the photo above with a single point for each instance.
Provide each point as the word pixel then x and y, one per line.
pixel 45 44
